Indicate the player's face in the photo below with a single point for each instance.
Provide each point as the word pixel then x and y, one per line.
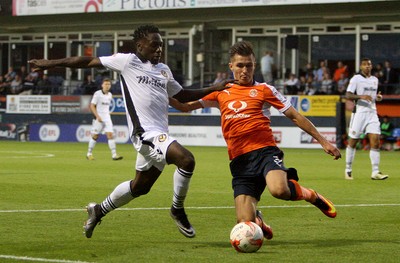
pixel 366 67
pixel 150 48
pixel 106 86
pixel 243 68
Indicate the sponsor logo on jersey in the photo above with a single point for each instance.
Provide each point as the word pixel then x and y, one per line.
pixel 370 89
pixel 162 137
pixel 253 93
pixel 237 106
pixel 151 81
pixel 164 73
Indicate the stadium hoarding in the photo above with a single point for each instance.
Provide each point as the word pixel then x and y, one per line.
pixel 65 104
pixel 318 105
pixel 286 137
pixel 28 104
pixel 72 133
pixel 52 7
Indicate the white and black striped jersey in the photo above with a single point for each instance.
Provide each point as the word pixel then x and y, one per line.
pixel 102 102
pixel 362 85
pixel 146 88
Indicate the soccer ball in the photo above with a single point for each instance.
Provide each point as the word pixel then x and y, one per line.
pixel 246 237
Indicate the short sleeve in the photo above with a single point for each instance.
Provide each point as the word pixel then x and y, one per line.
pixel 115 62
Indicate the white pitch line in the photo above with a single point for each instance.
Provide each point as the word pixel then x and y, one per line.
pixel 40 259
pixel 197 208
pixel 27 155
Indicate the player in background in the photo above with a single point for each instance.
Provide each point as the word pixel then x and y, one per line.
pixel 363 90
pixel 146 86
pixel 100 107
pixel 256 161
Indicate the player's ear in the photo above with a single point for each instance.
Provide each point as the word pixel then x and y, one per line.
pixel 230 65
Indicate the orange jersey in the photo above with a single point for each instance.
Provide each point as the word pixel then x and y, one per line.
pixel 245 116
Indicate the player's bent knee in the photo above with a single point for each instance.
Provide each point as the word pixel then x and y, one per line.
pixel 280 193
pixel 188 163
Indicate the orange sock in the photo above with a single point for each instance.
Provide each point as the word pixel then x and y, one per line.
pixel 299 192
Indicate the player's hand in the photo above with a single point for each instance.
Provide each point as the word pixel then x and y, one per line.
pixel 39 64
pixel 333 151
pixel 222 85
pixel 366 97
pixel 379 96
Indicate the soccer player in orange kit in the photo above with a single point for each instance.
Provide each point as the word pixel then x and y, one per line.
pixel 256 161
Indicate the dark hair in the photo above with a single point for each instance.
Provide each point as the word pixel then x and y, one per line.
pixel 365 59
pixel 142 31
pixel 107 80
pixel 243 48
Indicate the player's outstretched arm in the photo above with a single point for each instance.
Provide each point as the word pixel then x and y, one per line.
pixel 70 62
pixel 307 126
pixel 187 95
pixel 185 107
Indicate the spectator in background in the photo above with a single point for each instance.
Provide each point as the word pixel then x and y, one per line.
pixel 291 85
pixel 267 63
pixel 219 77
pixel 43 85
pixel 319 73
pixel 302 85
pixel 390 78
pixel 10 75
pixel 88 87
pixel 16 85
pixel 326 85
pixel 341 84
pixel 23 73
pixel 29 82
pixel 377 71
pixel 309 71
pixel 311 86
pixel 387 128
pixel 341 69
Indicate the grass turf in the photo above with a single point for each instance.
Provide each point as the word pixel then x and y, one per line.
pixel 44 188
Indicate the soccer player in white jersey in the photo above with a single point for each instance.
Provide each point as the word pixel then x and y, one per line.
pixel 100 107
pixel 363 90
pixel 146 86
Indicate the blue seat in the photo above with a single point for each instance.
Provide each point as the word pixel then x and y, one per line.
pixel 396 132
pixel 395 136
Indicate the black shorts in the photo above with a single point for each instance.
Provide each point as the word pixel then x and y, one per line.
pixel 249 170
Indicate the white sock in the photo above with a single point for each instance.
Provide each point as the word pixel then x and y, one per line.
pixel 113 147
pixel 119 197
pixel 92 144
pixel 181 187
pixel 350 153
pixel 375 156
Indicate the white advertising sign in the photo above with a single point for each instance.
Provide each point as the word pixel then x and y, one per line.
pixel 47 7
pixel 37 104
pixel 121 133
pixel 285 137
pixel 42 7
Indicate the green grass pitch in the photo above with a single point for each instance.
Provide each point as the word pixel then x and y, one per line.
pixel 44 188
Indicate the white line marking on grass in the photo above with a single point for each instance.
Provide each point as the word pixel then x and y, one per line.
pixel 24 154
pixel 40 259
pixel 197 208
